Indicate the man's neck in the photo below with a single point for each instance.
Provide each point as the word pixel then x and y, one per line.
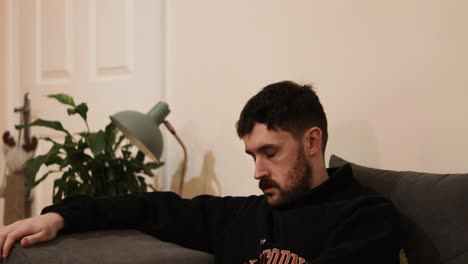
pixel 319 174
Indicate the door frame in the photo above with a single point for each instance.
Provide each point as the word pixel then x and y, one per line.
pixel 12 85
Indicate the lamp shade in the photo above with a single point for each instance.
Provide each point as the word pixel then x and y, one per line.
pixel 143 129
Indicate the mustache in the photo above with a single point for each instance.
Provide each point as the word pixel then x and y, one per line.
pixel 267 183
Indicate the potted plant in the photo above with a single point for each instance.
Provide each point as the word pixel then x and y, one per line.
pixel 92 163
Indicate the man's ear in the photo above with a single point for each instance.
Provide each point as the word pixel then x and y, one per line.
pixel 313 141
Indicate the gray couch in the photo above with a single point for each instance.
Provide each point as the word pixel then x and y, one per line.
pixel 434 209
pixel 107 247
pixel 433 206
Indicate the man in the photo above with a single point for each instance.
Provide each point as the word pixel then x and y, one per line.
pixel 308 214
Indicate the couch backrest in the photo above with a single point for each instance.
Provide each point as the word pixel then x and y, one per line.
pixel 434 209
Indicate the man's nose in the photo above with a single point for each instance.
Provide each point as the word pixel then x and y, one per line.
pixel 260 169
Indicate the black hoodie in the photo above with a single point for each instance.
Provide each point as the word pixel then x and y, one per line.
pixel 337 222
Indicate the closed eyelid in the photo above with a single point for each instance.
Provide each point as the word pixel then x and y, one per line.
pixel 269 151
pixel 263 150
pixel 267 148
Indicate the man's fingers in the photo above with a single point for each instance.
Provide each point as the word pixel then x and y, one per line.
pixel 10 240
pixel 4 232
pixel 12 237
pixel 31 231
pixel 2 241
pixel 34 239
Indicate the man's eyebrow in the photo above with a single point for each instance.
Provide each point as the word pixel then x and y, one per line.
pixel 261 149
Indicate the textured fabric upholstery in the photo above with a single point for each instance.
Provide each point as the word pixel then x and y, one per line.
pixel 107 247
pixel 434 209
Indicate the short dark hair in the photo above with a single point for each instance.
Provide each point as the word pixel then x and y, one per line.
pixel 287 106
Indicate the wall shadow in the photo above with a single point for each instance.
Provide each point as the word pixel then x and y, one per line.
pixel 206 182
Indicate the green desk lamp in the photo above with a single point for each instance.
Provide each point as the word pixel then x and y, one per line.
pixel 143 131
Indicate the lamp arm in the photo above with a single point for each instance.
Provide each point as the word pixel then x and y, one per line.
pixel 184 162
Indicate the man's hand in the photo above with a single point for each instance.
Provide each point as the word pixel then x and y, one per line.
pixel 31 231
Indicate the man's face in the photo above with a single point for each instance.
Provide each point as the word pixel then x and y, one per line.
pixel 280 164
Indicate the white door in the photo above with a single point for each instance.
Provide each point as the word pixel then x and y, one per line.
pixel 107 53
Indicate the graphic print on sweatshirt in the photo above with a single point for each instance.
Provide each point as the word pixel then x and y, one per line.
pixel 277 256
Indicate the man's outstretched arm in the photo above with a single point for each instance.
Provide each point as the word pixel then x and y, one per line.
pixel 30 231
pixel 194 223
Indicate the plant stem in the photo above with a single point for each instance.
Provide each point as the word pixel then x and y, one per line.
pixel 87 126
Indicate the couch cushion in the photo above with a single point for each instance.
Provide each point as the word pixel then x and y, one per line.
pixel 434 209
pixel 107 247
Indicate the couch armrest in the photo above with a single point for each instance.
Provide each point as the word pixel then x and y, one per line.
pixel 110 246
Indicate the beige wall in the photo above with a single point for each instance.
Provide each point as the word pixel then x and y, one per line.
pixel 392 76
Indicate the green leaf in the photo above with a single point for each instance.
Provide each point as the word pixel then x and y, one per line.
pixel 63 98
pixel 70 186
pixel 84 133
pixel 126 154
pixel 81 109
pixel 119 141
pixel 111 133
pixel 97 142
pixel 56 125
pixel 142 181
pixel 111 175
pixel 58 190
pixel 140 156
pixel 77 159
pixel 69 142
pixel 43 177
pixel 147 170
pixel 83 173
pixel 154 165
pixel 49 140
pixel 32 166
pixel 82 145
pixel 54 159
pixel 148 167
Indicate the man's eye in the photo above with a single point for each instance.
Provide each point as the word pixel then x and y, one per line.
pixel 270 155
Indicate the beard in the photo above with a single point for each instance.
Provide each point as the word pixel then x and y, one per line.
pixel 297 183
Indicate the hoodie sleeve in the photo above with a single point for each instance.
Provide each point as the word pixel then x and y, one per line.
pixel 194 223
pixel 370 234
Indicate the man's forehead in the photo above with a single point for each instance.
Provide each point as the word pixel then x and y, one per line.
pixel 261 136
pixel 259 131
